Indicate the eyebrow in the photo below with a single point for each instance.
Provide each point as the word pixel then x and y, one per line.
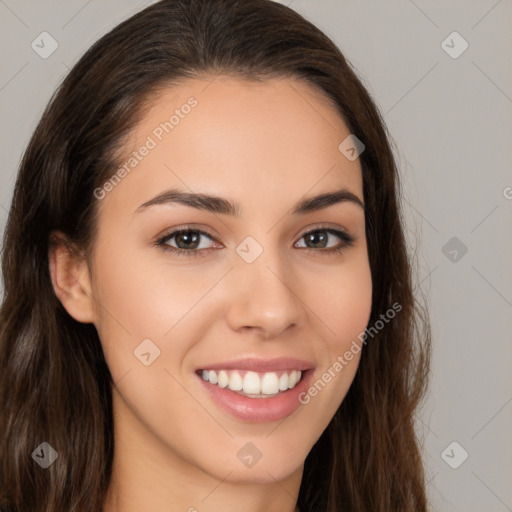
pixel 217 204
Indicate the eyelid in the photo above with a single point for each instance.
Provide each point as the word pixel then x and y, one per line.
pixel 323 226
pixel 161 239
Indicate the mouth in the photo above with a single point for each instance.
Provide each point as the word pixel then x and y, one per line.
pixel 254 390
pixel 253 384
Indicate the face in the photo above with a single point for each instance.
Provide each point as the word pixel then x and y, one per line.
pixel 206 330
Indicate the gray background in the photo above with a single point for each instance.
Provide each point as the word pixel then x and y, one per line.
pixel 450 119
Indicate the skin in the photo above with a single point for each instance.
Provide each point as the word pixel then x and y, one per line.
pixel 266 146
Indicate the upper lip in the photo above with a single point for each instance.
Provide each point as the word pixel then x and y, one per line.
pixel 261 365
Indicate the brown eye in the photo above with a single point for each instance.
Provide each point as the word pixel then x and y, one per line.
pixel 317 239
pixel 186 242
pixel 320 238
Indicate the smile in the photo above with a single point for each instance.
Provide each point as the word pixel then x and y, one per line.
pixel 253 384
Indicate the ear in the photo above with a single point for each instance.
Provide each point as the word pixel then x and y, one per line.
pixel 71 278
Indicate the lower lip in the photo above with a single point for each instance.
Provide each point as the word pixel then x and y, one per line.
pixel 258 409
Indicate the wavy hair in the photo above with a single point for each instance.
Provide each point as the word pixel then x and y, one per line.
pixel 55 385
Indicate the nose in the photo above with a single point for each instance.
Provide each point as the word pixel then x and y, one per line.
pixel 264 297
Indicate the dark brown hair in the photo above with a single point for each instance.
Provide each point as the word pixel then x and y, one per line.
pixel 55 385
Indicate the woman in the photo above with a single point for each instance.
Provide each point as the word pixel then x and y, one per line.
pixel 208 298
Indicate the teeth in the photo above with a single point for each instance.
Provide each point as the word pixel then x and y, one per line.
pixel 223 379
pixel 253 384
pixel 270 384
pixel 235 382
pixel 292 380
pixel 283 382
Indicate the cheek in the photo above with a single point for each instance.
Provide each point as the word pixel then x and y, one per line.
pixel 138 299
pixel 343 303
pixel 342 299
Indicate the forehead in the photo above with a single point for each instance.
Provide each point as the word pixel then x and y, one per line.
pixel 279 136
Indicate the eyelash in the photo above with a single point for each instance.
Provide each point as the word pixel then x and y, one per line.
pixel 347 241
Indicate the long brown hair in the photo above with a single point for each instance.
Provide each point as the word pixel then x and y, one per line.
pixel 55 385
